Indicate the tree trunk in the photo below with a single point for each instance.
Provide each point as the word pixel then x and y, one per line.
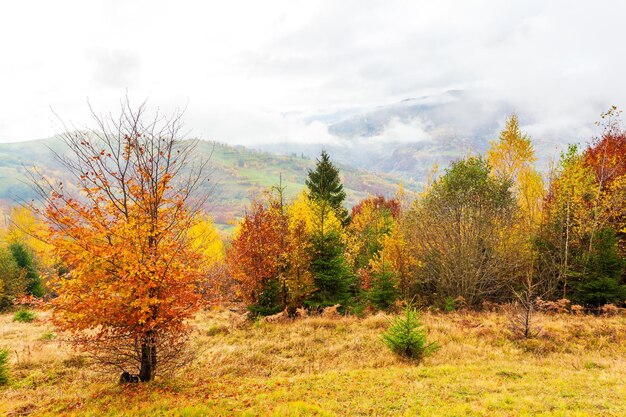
pixel 565 265
pixel 148 358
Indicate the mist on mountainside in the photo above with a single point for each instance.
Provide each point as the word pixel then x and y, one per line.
pixel 410 137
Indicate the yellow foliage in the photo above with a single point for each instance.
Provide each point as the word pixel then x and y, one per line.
pixel 318 215
pixel 305 217
pixel 513 157
pixel 530 196
pixel 369 218
pixel 512 152
pixel 369 224
pixel 25 228
pixel 404 198
pixel 300 210
pixel 396 255
pixel 572 191
pixel 613 206
pixel 205 238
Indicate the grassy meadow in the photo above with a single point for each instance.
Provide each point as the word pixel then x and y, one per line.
pixel 334 367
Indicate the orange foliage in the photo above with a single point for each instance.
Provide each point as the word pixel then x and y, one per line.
pixel 606 156
pixel 133 267
pixel 256 254
pixel 131 270
pixel 377 203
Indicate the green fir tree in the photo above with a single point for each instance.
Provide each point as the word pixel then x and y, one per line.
pixel 25 261
pixel 331 273
pixel 383 293
pixel 599 279
pixel 325 184
pixel 406 337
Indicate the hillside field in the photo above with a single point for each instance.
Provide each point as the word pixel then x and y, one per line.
pixel 335 367
pixel 236 176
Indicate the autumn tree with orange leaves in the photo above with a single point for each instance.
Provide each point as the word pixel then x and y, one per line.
pixel 256 258
pixel 122 231
pixel 606 157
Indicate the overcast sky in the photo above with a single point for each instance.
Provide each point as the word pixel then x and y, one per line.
pixel 253 71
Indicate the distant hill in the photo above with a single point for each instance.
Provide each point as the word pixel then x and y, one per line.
pixel 238 174
pixel 408 137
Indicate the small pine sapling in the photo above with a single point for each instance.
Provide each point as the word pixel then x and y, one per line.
pixel 24 316
pixel 4 366
pixel 406 336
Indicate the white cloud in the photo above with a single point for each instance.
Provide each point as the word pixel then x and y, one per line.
pixel 415 130
pixel 247 127
pixel 254 71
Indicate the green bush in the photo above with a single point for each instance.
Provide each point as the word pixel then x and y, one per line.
pixel 406 337
pixel 24 316
pixel 4 366
pixel 11 279
pixel 25 261
pixel 48 336
pixel 449 305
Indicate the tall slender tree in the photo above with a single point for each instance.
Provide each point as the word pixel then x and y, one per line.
pixel 512 158
pixel 331 273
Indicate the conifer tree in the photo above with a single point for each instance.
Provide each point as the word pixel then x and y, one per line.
pixel 600 283
pixel 383 293
pixel 24 260
pixel 331 273
pixel 11 279
pixel 406 337
pixel 325 184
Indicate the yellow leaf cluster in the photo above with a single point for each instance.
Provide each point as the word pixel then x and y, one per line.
pixel 205 238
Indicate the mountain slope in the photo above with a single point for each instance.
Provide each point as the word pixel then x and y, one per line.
pixel 237 175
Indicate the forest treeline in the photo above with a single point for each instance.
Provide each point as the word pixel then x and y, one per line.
pixel 487 229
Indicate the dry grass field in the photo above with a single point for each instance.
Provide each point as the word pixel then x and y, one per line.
pixel 336 367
